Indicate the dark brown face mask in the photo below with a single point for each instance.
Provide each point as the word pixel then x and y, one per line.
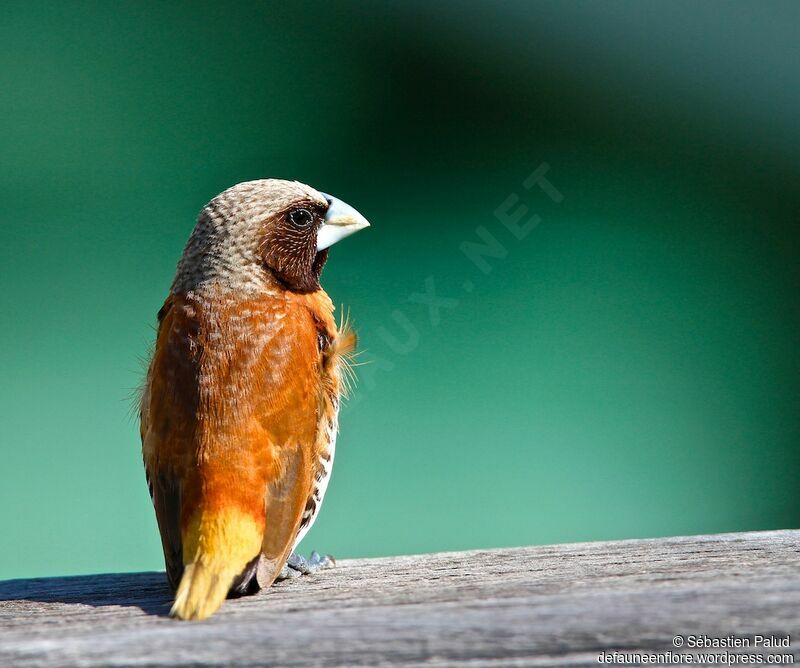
pixel 296 242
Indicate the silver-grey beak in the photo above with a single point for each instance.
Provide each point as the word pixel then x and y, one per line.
pixel 341 221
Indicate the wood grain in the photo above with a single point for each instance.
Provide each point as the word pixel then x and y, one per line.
pixel 549 605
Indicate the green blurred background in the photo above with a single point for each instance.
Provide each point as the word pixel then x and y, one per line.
pixel 629 369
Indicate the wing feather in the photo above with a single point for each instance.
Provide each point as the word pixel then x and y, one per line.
pixel 164 487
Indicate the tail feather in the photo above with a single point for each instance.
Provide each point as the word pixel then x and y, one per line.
pixel 203 589
pixel 217 549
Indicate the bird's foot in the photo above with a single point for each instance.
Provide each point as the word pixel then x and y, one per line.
pixel 297 565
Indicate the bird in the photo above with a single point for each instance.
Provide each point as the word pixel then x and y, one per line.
pixel 239 409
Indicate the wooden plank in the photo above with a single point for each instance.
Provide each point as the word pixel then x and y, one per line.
pixel 550 605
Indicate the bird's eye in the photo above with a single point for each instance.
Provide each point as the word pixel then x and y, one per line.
pixel 301 217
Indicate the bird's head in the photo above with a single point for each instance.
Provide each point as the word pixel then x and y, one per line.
pixel 262 230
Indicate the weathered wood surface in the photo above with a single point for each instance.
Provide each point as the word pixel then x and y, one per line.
pixel 553 605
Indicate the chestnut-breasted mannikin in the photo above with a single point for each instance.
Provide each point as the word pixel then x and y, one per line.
pixel 239 413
